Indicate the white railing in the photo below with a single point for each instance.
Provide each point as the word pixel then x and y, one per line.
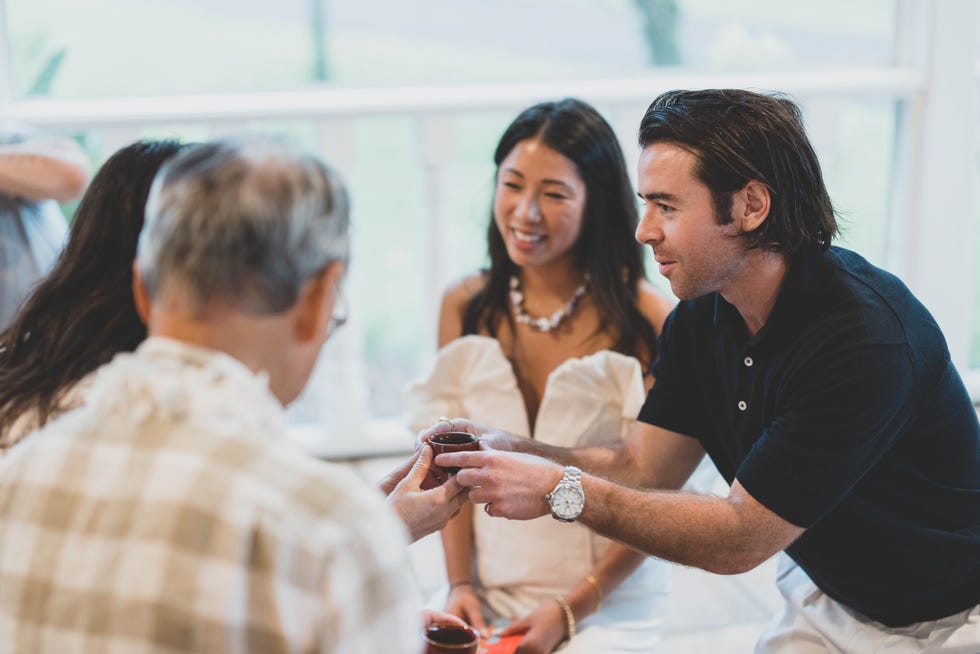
pixel 339 103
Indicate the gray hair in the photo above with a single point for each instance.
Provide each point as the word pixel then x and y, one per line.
pixel 243 221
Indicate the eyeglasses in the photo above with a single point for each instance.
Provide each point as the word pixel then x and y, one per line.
pixel 340 311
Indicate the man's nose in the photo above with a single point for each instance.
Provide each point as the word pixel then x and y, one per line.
pixel 649 230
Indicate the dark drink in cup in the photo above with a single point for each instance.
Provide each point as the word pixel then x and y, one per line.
pixel 453 441
pixel 449 441
pixel 451 639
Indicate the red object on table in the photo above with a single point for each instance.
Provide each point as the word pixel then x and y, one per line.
pixel 505 645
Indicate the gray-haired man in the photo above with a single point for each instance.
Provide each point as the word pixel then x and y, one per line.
pixel 166 515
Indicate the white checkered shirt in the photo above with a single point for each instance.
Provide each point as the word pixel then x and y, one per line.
pixel 167 515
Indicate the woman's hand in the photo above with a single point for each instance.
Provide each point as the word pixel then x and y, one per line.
pixel 464 602
pixel 543 629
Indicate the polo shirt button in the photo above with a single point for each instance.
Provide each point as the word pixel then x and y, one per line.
pixel 748 362
pixel 742 405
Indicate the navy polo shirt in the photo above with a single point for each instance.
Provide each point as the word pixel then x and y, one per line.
pixel 843 415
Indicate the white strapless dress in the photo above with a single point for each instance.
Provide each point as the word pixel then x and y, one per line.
pixel 592 400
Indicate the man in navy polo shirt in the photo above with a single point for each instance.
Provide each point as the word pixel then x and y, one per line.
pixel 820 387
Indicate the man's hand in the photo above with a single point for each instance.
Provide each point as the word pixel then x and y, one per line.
pixel 387 483
pixel 494 438
pixel 423 512
pixel 512 484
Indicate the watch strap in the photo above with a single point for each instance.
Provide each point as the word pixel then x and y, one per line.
pixel 572 475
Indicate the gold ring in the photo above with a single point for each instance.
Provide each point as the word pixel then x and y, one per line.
pixel 486 508
pixel 446 420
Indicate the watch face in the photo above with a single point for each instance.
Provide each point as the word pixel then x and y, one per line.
pixel 567 501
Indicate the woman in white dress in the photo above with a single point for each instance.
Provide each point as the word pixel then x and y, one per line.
pixel 554 341
pixel 82 314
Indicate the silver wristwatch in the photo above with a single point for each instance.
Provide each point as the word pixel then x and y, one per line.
pixel 568 498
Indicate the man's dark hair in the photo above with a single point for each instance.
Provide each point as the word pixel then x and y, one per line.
pixel 739 136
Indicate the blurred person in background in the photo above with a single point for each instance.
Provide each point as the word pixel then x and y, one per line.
pixel 36 173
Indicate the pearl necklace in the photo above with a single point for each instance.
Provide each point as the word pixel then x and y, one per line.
pixel 544 324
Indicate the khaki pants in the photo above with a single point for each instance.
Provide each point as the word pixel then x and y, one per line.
pixel 812 623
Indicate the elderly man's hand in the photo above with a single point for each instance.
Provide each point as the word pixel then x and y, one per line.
pixel 511 485
pixel 493 438
pixel 422 511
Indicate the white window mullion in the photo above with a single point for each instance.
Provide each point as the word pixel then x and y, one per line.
pixel 940 197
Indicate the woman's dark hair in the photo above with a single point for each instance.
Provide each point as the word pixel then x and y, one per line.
pixel 739 136
pixel 82 313
pixel 606 249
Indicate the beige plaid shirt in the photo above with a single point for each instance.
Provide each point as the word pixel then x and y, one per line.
pixel 167 515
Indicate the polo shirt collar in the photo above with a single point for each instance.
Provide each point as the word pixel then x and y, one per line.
pixel 794 306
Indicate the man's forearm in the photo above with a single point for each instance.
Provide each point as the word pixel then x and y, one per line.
pixel 723 535
pixel 704 531
pixel 649 457
pixel 611 462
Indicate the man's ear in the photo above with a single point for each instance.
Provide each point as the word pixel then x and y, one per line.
pixel 750 206
pixel 140 297
pixel 315 303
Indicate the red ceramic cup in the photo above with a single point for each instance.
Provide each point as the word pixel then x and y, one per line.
pixel 448 441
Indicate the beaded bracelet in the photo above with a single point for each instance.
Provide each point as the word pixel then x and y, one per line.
pixel 569 616
pixel 461 582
